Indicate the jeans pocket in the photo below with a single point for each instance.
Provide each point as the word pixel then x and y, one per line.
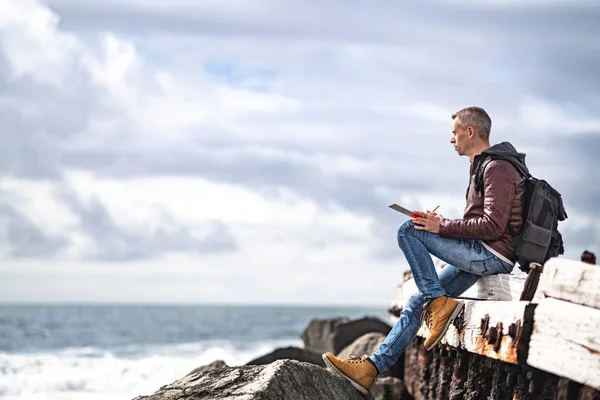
pixel 479 267
pixel 490 266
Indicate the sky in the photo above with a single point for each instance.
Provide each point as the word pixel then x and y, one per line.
pixel 246 152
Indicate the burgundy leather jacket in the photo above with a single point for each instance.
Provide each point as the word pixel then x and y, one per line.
pixel 487 215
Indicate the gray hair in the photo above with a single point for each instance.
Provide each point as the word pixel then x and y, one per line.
pixel 475 117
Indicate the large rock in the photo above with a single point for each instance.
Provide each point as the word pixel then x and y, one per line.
pixel 318 335
pixel 283 379
pixel 219 364
pixel 367 344
pixel 389 388
pixel 322 335
pixel 289 353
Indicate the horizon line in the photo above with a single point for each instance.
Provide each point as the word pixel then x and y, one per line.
pixel 191 304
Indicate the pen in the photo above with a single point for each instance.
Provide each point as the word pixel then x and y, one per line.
pixel 435 209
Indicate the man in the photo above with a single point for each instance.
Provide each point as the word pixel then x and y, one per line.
pixel 477 244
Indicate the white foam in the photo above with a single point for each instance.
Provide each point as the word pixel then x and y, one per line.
pixel 91 374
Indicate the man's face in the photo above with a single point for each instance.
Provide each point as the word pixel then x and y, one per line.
pixel 460 138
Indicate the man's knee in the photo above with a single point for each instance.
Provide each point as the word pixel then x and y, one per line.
pixel 406 228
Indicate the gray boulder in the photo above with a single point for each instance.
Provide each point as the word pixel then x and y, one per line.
pixel 389 388
pixel 366 344
pixel 322 335
pixel 219 364
pixel 319 334
pixel 289 353
pixel 283 379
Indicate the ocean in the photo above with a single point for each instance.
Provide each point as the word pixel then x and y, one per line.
pixel 117 352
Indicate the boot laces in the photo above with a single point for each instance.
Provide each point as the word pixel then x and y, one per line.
pixel 355 357
pixel 427 316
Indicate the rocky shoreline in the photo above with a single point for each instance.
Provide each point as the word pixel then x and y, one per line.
pixel 293 372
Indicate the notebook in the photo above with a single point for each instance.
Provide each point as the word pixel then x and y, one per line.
pixel 403 210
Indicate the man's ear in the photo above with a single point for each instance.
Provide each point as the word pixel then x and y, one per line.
pixel 472 132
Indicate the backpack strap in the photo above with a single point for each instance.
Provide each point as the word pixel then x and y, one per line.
pixel 479 172
pixel 479 179
pixel 483 165
pixel 513 233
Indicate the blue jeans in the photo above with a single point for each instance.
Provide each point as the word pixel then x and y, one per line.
pixel 468 260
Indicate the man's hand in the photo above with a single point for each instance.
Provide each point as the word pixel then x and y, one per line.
pixel 428 221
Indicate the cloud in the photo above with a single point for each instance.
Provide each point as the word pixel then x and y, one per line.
pixel 22 238
pixel 501 44
pixel 65 224
pixel 578 182
pixel 110 241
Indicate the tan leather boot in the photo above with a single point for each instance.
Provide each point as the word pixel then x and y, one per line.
pixel 438 315
pixel 358 370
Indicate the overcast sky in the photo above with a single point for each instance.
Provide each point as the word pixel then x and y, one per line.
pixel 246 151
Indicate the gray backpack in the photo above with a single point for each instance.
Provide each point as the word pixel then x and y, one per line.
pixel 538 238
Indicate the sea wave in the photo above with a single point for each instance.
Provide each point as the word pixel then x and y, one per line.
pixel 88 373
